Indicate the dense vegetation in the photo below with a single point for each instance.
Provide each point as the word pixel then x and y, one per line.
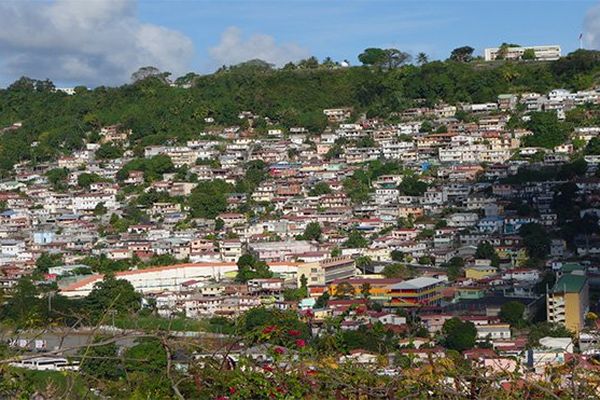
pixel 158 112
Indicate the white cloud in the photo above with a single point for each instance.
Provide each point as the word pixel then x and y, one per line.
pixel 89 42
pixel 233 49
pixel 591 27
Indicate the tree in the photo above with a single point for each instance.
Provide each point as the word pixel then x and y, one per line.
pixel 147 356
pixel 535 240
pixel 147 72
pixel 365 290
pixel 209 199
pixel 394 58
pixel 383 58
pixel 108 151
pixel 487 251
pixel 24 307
pixel 322 300
pixel 85 180
pixel 459 335
pixel 593 146
pixel 548 131
pixel 411 186
pixel 396 271
pixel 344 290
pixel 422 58
pixel 101 361
pixel 46 261
pixel 312 231
pixel 512 313
pixel 397 255
pixel 112 294
pixel 462 54
pixel 356 240
pixel 528 54
pixel 336 252
pixel 251 268
pixel 372 56
pixel 57 177
pixel 320 189
pixel 454 267
pixel 363 262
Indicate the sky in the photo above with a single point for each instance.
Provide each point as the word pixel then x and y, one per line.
pixel 102 42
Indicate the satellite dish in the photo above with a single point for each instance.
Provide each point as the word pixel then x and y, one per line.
pixel 344 64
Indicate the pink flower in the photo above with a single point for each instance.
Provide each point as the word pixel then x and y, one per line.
pixel 300 342
pixel 231 390
pixel 222 398
pixel 268 368
pixel 269 329
pixel 294 332
pixel 279 350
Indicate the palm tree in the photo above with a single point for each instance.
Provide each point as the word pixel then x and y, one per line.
pixel 422 58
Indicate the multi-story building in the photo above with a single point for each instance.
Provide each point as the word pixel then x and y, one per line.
pixel 568 301
pixel 418 292
pixel 326 271
pixel 547 53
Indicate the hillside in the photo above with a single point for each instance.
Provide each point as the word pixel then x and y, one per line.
pixel 292 97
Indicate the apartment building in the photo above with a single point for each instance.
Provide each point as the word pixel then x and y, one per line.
pixel 326 271
pixel 568 301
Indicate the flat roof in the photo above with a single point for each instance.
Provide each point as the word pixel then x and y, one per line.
pixel 416 283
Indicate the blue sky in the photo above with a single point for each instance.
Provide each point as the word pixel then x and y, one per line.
pixel 96 42
pixel 341 29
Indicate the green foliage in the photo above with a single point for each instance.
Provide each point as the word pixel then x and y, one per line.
pixel 148 356
pixel 111 294
pixel 85 179
pixel 593 146
pixel 251 268
pixel 292 96
pixel 543 329
pixel 109 151
pixel 454 267
pixel 397 271
pixel 101 361
pixel 153 168
pixel 356 240
pixel 57 177
pixel 535 240
pixel 397 255
pixel 459 335
pixel 256 172
pixel 209 199
pixel 412 186
pixel 322 300
pixel 548 131
pixel 487 251
pixel 462 54
pixel 320 189
pixel 46 260
pixel 528 54
pixel 312 231
pixel 512 313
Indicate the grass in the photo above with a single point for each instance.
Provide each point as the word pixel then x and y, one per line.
pixel 153 323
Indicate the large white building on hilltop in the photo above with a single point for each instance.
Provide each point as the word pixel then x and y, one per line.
pixel 545 53
pixel 170 277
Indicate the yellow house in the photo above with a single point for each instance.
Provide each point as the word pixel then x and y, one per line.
pixel 568 302
pixel 478 272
